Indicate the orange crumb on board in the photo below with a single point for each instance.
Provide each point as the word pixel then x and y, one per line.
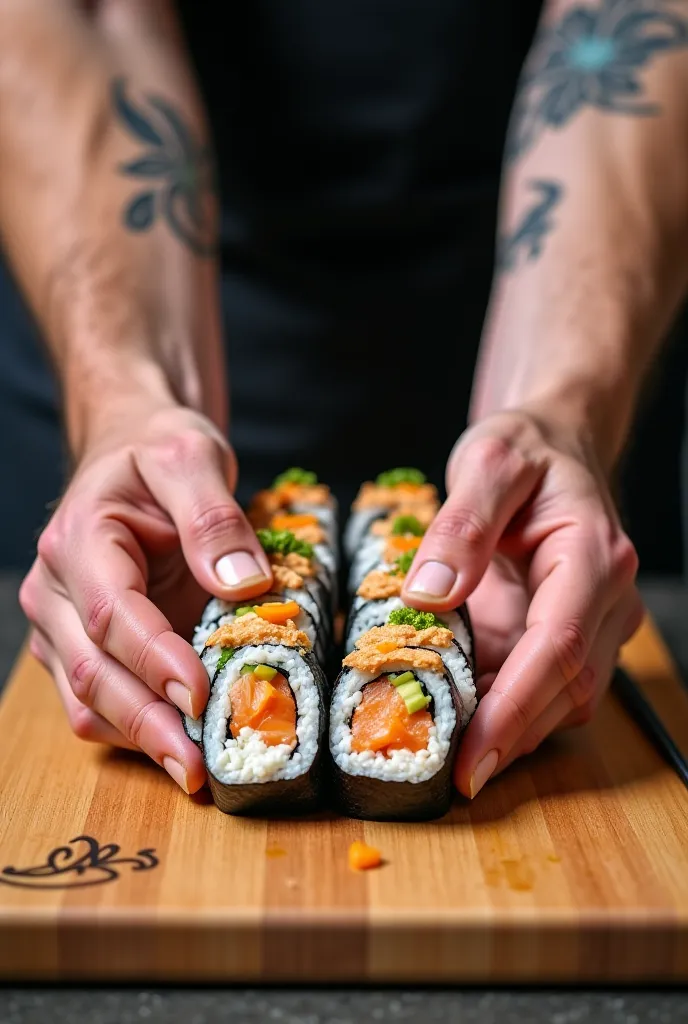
pixel 362 856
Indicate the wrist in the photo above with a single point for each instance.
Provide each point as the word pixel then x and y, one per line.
pixel 587 416
pixel 584 379
pixel 107 404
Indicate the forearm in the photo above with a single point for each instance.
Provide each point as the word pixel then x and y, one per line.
pixel 593 222
pixel 108 223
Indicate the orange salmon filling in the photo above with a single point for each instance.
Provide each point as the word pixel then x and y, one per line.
pixel 381 721
pixel 293 522
pixel 267 707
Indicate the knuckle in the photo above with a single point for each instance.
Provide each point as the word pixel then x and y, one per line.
pixel 83 676
pixel 520 713
pixel 84 723
pixel 99 612
pixel 187 447
pixel 625 560
pixel 462 524
pixel 50 545
pixel 214 523
pixel 582 689
pixel 135 724
pixel 491 453
pixel 27 599
pixel 570 648
pixel 142 659
pixel 583 715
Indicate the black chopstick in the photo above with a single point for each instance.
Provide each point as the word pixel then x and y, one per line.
pixel 640 709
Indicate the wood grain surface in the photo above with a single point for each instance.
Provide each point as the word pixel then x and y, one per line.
pixel 572 866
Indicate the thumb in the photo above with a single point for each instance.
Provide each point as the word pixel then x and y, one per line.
pixel 489 479
pixel 188 475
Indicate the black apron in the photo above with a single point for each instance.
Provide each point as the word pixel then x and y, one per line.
pixel 359 146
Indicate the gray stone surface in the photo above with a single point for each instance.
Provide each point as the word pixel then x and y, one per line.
pixel 68 1005
pixel 205 1006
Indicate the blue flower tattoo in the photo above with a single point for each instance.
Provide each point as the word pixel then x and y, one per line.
pixel 177 170
pixel 529 237
pixel 593 57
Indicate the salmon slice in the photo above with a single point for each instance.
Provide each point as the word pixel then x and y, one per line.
pixel 381 721
pixel 267 707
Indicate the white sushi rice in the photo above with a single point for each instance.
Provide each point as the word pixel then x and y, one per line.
pixel 357 527
pixel 400 765
pixel 368 614
pixel 247 758
pixel 368 557
pixel 194 728
pixel 462 674
pixel 325 556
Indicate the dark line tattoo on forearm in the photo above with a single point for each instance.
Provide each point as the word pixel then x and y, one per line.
pixel 593 57
pixel 528 239
pixel 177 170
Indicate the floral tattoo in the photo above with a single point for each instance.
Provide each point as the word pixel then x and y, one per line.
pixel 528 238
pixel 593 57
pixel 176 172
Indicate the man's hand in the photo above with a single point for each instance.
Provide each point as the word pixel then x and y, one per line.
pixel 147 527
pixel 530 531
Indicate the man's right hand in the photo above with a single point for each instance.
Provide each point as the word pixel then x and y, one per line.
pixel 146 529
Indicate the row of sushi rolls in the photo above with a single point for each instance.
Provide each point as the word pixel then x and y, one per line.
pixel 379 742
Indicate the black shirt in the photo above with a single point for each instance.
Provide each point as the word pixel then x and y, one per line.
pixel 359 146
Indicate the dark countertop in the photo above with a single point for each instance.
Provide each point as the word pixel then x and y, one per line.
pixel 126 1005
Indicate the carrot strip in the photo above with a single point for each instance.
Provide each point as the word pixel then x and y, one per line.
pixel 285 521
pixel 277 612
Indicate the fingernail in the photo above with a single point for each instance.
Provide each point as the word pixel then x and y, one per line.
pixel 239 569
pixel 177 771
pixel 434 579
pixel 179 695
pixel 483 772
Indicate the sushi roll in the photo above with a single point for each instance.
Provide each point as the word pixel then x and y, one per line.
pixel 399 705
pixel 399 491
pixel 292 603
pixel 296 501
pixel 378 601
pixel 387 540
pixel 392 611
pixel 291 557
pixel 299 593
pixel 264 726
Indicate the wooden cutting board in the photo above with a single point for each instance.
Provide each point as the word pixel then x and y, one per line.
pixel 572 866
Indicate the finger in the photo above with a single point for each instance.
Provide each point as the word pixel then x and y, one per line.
pixel 101 571
pixel 577 702
pixel 114 693
pixel 491 480
pixel 578 581
pixel 85 724
pixel 188 476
